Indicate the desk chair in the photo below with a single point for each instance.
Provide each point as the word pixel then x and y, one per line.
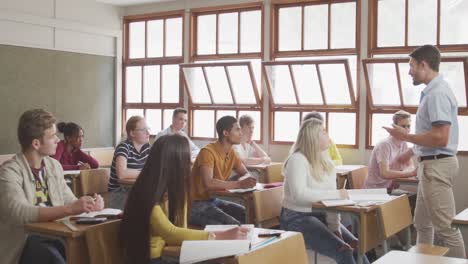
pixel 94 181
pixel 357 178
pixel 395 216
pixel 274 173
pixel 104 156
pixel 104 243
pixel 267 207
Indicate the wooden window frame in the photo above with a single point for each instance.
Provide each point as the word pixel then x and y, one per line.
pixel 390 109
pixel 194 57
pixel 373 34
pixel 150 61
pixel 275 53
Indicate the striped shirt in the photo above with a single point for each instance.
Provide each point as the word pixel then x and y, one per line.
pixel 135 160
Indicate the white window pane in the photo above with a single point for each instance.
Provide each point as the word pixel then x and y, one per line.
pixel 281 84
pixel 153 120
pixel 307 84
pixel 197 85
pixel 151 84
pixel 381 120
pixel 251 31
pixel 206 34
pixel 155 38
pixel 221 113
pixel 219 85
pixel 242 84
pixel 257 70
pixel 383 84
pixel 228 29
pixel 174 37
pixel 257 122
pixel 335 84
pixel 316 27
pixel 391 23
pixel 343 25
pixel 463 130
pixel 134 112
pixel 454 74
pixel 342 128
pixel 289 35
pixel 133 84
pixel 136 40
pixel 454 22
pixel 203 123
pixel 167 117
pixel 170 83
pixel 422 22
pixel 286 126
pixel 411 93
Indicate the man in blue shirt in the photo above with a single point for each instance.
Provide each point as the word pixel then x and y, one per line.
pixel 436 142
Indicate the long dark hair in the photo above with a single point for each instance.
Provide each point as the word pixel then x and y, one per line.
pixel 165 174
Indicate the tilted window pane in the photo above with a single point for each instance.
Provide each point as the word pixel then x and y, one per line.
pixel 411 93
pixel 343 25
pixel 170 82
pixel 286 126
pixel 196 85
pixel 316 27
pixel 203 123
pixel 453 22
pixel 155 38
pixel 206 34
pixel 228 30
pixel 151 84
pixel 454 74
pixel 219 85
pixel 251 31
pixel 342 128
pixel 242 84
pixel 174 37
pixel 391 23
pixel 422 22
pixel 133 84
pixel 307 84
pixel 384 84
pixel 281 84
pixel 289 28
pixel 136 40
pixel 335 84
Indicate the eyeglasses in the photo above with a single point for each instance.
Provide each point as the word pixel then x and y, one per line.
pixel 146 129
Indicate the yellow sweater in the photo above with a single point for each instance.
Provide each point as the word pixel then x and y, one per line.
pixel 164 232
pixel 335 154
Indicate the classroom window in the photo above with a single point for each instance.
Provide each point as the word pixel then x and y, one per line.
pixel 217 89
pixel 151 77
pixel 398 92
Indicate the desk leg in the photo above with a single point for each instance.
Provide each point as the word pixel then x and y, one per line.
pixel 362 234
pixel 77 250
pixel 248 203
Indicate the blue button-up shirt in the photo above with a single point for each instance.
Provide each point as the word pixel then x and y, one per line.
pixel 437 106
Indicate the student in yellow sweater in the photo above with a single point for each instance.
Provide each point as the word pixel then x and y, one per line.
pixel 332 149
pixel 155 214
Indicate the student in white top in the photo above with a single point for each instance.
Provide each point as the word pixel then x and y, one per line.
pixel 309 176
pixel 248 151
pixel 179 121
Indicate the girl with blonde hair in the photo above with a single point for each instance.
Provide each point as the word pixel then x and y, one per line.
pixel 309 176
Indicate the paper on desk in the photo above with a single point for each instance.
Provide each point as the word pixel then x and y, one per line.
pixel 337 202
pixel 200 250
pixel 215 228
pixel 258 186
pixel 105 211
pixel 375 195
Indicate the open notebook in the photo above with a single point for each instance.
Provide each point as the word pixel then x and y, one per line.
pixel 362 197
pixel 200 250
pixel 105 211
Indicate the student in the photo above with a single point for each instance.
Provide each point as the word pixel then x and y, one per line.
pixel 384 165
pixel 69 152
pixel 129 158
pixel 34 190
pixel 156 211
pixel 248 151
pixel 309 176
pixel 332 150
pixel 436 144
pixel 210 172
pixel 179 121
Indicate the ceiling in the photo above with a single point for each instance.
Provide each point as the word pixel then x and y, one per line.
pixel 132 2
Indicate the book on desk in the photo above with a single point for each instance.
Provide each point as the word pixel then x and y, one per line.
pixel 361 197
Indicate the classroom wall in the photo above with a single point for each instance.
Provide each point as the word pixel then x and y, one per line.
pixel 64 55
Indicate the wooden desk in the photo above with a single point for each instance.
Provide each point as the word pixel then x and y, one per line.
pixel 403 257
pixel 262 170
pixel 408 184
pixel 461 219
pixel 74 241
pixel 367 227
pixel 343 172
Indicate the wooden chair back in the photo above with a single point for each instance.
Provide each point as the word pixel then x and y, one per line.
pixel 357 178
pixel 103 155
pixel 395 216
pixel 103 243
pixel 94 181
pixel 274 173
pixel 267 206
